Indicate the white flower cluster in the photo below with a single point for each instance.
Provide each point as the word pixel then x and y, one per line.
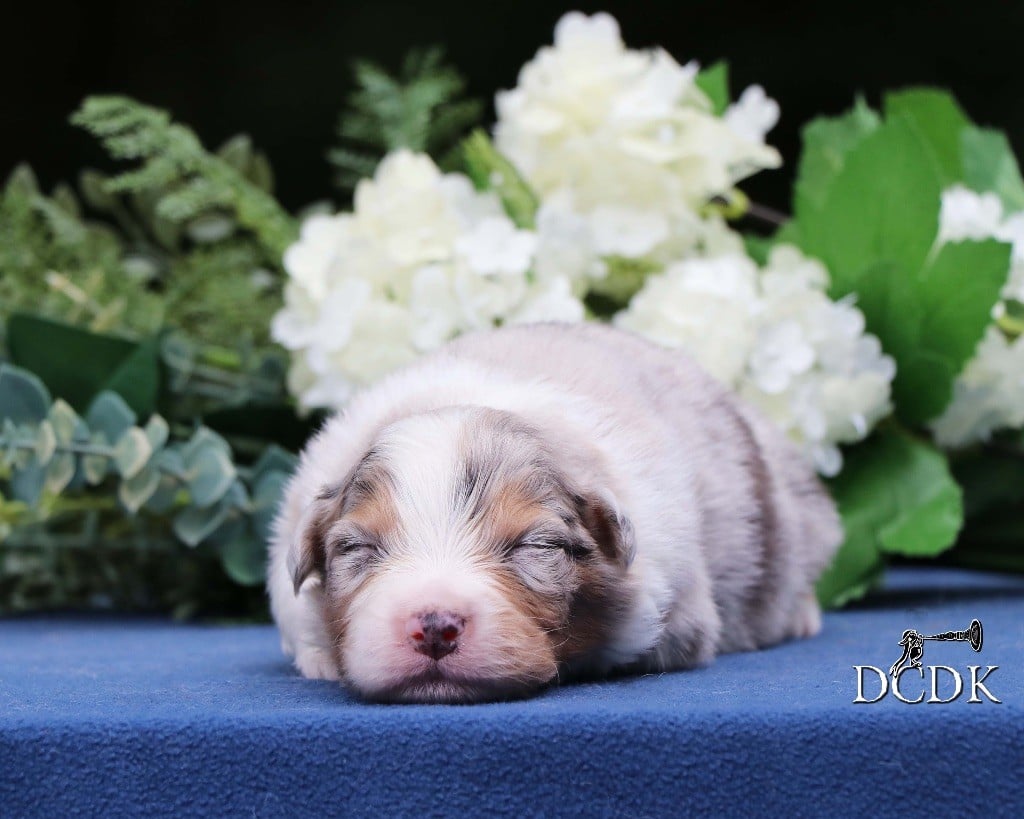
pixel 775 337
pixel 422 258
pixel 989 394
pixel 628 134
pixel 624 151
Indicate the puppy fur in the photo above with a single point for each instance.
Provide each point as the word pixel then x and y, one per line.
pixel 581 500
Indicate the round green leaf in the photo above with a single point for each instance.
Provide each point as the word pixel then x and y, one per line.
pixel 59 473
pixel 210 474
pixel 132 452
pixel 111 415
pixel 267 495
pixel 95 467
pixel 157 431
pixel 895 496
pixel 245 559
pixel 138 489
pixel 65 421
pixel 46 442
pixel 193 525
pixel 23 397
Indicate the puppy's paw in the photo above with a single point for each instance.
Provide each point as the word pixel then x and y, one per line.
pixel 315 664
pixel 807 621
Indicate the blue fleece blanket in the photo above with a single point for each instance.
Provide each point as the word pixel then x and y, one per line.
pixel 142 717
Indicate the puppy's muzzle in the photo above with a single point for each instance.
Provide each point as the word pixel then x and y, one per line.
pixel 435 634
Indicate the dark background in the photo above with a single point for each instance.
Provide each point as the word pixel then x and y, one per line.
pixel 280 71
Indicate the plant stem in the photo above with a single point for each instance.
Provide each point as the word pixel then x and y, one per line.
pixel 73 448
pixel 767 214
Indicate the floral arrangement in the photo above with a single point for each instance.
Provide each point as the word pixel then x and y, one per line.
pixel 880 325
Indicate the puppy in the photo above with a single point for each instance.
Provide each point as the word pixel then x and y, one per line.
pixel 537 503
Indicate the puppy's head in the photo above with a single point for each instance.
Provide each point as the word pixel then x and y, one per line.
pixel 465 558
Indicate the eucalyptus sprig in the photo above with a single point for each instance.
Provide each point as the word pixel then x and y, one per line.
pixel 192 482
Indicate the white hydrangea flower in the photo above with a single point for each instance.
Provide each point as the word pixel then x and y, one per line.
pixel 496 247
pixel 708 307
pixel 627 132
pixel 566 245
pixel 628 231
pixel 989 394
pixel 775 337
pixel 753 115
pixel 968 215
pixel 422 258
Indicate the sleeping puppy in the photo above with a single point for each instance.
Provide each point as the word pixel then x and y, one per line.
pixel 538 503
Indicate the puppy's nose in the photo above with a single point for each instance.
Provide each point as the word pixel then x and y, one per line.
pixel 435 634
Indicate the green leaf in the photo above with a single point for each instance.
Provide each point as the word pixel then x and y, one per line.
pixel 623 280
pixel 989 480
pixel 210 473
pixel 22 181
pixel 930 323
pixel 137 489
pixel 210 228
pixel 59 473
pixel 166 495
pixel 882 207
pixel 895 496
pixel 110 415
pixel 938 119
pixel 27 482
pixel 171 462
pixel 193 525
pixel 237 152
pixel 714 82
pixel 66 423
pixel 489 170
pixel 171 491
pixel 204 438
pixel 137 378
pixel 173 158
pixel 267 495
pixel 77 364
pixel 132 452
pixel 245 559
pixel 990 165
pixel 827 141
pixel 852 575
pixel 24 399
pixel 420 110
pixel 274 459
pixel 95 467
pixel 93 185
pixel 46 442
pixel 758 248
pixel 156 430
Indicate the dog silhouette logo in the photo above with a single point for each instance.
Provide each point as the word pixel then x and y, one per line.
pixel 913 645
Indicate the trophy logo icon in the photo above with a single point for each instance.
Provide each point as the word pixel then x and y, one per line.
pixel 913 645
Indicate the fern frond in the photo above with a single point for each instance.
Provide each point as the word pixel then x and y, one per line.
pixel 421 108
pixel 178 168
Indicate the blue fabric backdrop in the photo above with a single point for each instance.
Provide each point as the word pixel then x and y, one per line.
pixel 142 717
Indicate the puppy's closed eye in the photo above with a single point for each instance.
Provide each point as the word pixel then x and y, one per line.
pixel 354 546
pixel 348 544
pixel 553 543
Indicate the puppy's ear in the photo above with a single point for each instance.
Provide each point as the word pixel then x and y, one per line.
pixel 308 551
pixel 608 526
